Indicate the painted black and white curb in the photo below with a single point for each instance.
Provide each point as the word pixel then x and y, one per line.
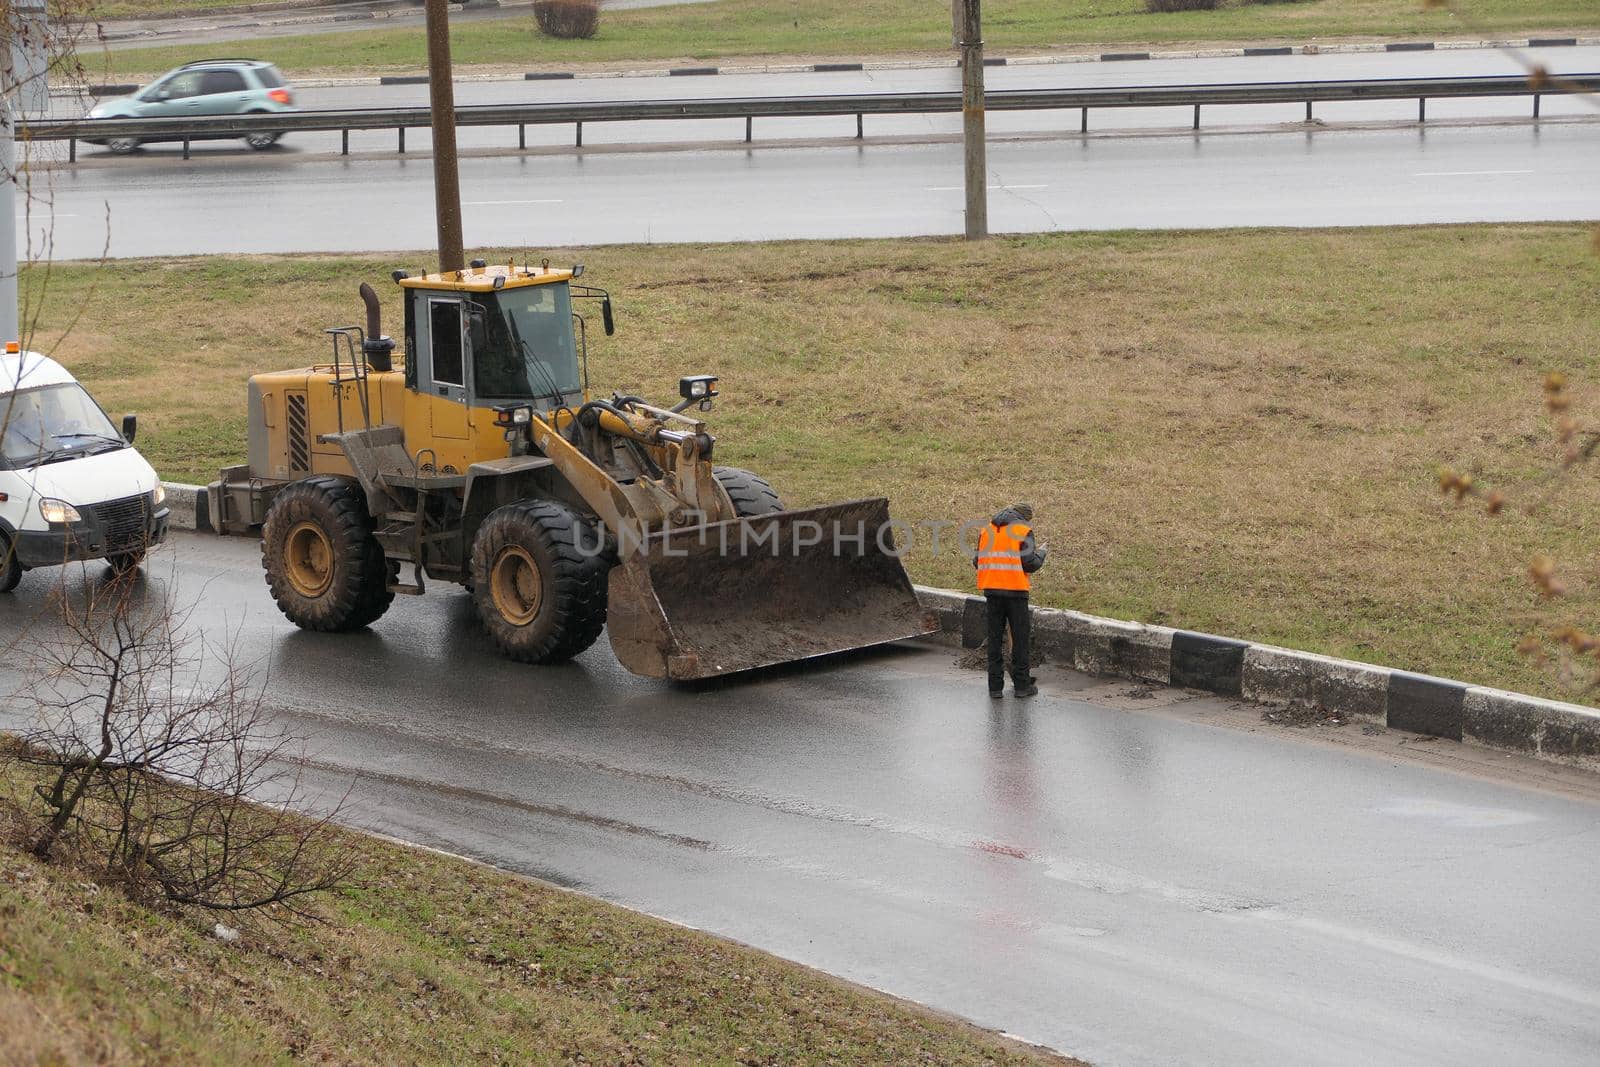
pixel 923 63
pixel 1545 729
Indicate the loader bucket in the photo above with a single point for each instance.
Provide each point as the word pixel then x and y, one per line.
pixel 731 596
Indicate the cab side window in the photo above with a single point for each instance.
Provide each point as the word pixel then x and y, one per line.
pixel 444 331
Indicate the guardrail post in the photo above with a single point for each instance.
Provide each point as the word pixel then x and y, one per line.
pixel 1422 109
pixel 1308 111
pixel 1535 105
pixel 1197 116
pixel 186 148
pixel 522 135
pixel 344 142
pixel 580 134
pixel 1083 126
pixel 72 147
pixel 860 129
pixel 749 122
pixel 402 140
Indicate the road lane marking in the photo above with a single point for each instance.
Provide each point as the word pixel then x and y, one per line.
pixel 492 203
pixel 992 188
pixel 1464 173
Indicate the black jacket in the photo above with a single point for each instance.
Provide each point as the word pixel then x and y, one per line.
pixel 1033 554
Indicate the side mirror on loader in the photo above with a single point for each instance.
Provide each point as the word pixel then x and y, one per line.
pixel 606 317
pixel 130 428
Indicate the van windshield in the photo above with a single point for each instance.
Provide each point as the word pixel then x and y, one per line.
pixel 53 422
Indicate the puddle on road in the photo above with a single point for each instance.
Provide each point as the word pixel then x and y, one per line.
pixel 1461 816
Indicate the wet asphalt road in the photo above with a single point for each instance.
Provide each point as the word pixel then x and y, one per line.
pixel 807 178
pixel 1134 887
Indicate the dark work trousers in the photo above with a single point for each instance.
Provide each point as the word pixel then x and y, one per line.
pixel 1008 611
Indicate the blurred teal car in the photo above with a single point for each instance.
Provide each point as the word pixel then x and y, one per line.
pixel 207 87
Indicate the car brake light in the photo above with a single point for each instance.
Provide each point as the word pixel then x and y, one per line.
pixel 281 96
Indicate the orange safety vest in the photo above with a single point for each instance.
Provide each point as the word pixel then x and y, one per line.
pixel 1000 557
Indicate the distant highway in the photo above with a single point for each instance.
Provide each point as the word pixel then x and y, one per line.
pixel 805 178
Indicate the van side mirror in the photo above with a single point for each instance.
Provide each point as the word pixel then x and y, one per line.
pixel 606 317
pixel 130 428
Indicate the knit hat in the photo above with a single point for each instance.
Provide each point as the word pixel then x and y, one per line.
pixel 1023 510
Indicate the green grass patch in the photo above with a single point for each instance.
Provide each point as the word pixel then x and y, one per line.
pixel 426 960
pixel 854 28
pixel 1236 431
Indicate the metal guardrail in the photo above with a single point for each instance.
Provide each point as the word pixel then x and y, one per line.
pixel 751 108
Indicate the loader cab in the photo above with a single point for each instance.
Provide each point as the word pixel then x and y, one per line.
pixel 491 336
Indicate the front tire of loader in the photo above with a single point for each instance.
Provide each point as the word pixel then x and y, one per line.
pixel 324 568
pixel 751 494
pixel 540 595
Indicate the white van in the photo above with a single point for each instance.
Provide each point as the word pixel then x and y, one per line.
pixel 71 486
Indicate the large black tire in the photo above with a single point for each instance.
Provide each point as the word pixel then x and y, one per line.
pixel 542 599
pixel 751 494
pixel 325 569
pixel 10 565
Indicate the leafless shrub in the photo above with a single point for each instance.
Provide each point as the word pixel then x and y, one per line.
pixel 567 19
pixel 1156 7
pixel 1573 651
pixel 153 777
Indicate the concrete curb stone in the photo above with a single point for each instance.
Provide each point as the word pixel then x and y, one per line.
pixel 1545 729
pixel 190 507
pixel 1287 676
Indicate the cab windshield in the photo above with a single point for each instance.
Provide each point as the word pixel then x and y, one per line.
pixel 53 422
pixel 523 346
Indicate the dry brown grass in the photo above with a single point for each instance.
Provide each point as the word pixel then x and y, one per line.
pixel 429 960
pixel 1235 432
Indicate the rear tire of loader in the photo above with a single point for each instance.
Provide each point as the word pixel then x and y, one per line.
pixel 539 594
pixel 325 569
pixel 751 494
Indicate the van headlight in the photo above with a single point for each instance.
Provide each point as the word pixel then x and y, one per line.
pixel 53 510
pixel 159 494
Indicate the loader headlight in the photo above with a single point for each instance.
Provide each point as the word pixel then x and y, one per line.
pixel 513 415
pixel 698 387
pixel 53 510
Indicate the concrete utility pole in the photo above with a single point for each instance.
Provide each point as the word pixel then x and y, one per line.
pixel 442 99
pixel 24 63
pixel 9 327
pixel 977 178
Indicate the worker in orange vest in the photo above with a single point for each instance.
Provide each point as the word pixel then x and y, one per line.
pixel 1007 554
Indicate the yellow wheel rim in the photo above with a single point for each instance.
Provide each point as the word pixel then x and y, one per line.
pixel 515 585
pixel 308 559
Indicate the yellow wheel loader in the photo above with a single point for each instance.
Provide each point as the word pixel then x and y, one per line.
pixel 481 458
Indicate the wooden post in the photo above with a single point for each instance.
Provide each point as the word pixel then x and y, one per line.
pixel 977 171
pixel 442 106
